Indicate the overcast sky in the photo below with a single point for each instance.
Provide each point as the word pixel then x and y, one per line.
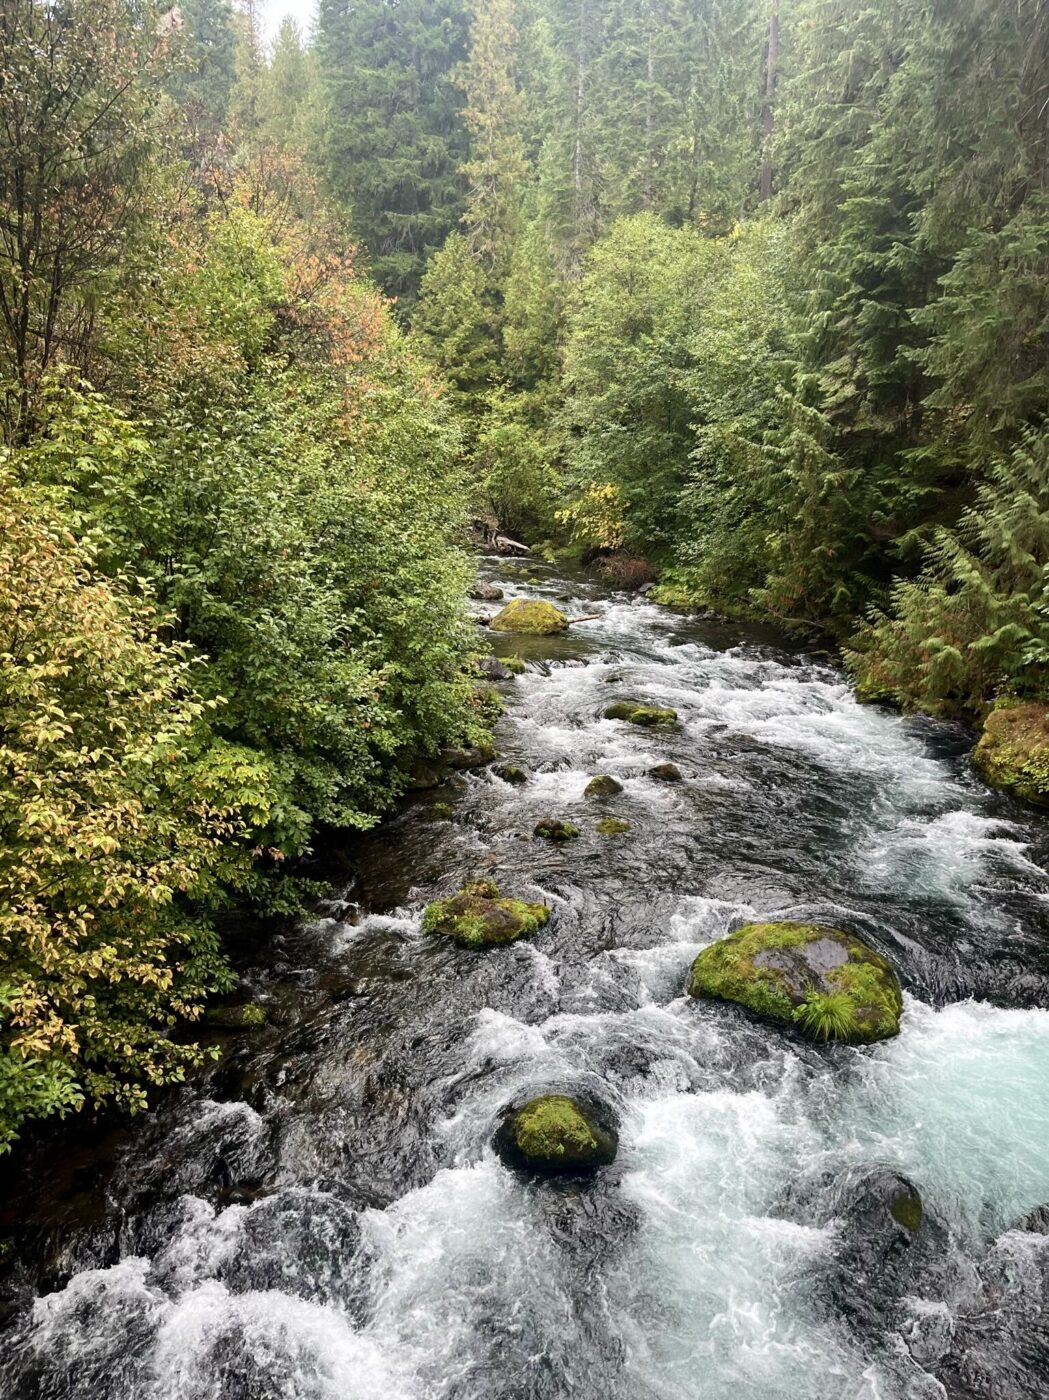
pixel 273 11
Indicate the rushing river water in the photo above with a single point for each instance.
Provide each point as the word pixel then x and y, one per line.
pixel 322 1216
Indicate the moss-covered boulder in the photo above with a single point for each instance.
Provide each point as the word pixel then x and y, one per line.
pixel 512 774
pixel 516 665
pixel 530 615
pixel 827 983
pixel 480 917
pixel 557 1134
pixel 648 716
pixel 553 829
pixel 666 773
pixel 602 786
pixel 612 826
pixel 1013 750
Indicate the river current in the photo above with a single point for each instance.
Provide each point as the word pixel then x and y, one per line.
pixel 321 1215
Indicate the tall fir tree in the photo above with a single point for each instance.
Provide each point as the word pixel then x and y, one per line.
pixel 395 140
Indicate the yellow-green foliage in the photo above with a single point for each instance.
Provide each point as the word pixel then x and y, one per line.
pixel 531 616
pixel 107 838
pixel 612 826
pixel 480 917
pixel 1013 750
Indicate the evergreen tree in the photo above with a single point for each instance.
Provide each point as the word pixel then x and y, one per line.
pixel 495 119
pixel 395 141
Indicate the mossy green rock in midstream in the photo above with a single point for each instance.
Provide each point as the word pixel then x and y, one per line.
pixel 648 716
pixel 555 1134
pixel 612 826
pixel 553 829
pixel 1013 750
pixel 530 615
pixel 602 786
pixel 480 917
pixel 826 982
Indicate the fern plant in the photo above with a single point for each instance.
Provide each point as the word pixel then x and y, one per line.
pixel 827 1016
pixel 976 622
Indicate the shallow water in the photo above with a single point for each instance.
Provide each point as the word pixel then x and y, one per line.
pixel 322 1215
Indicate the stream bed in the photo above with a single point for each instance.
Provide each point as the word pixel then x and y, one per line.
pixel 321 1215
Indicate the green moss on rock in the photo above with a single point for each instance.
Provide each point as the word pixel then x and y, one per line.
pixel 517 665
pixel 828 983
pixel 648 716
pixel 1013 750
pixel 556 1133
pixel 513 775
pixel 612 826
pixel 602 786
pixel 530 615
pixel 247 1016
pixel 552 829
pixel 480 917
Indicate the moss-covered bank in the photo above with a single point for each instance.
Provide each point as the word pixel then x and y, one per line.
pixel 1013 750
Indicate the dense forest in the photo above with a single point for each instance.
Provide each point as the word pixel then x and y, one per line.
pixel 748 298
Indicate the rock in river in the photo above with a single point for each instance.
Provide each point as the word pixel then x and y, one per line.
pixel 553 829
pixel 602 786
pixel 648 716
pixel 479 917
pixel 530 615
pixel 826 982
pixel 554 1134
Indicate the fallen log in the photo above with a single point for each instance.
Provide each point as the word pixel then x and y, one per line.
pixel 505 542
pixel 587 617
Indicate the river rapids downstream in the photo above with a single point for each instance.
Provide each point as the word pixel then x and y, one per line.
pixel 321 1215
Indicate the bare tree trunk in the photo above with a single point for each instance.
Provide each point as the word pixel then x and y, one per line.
pixel 650 153
pixel 579 155
pixel 768 107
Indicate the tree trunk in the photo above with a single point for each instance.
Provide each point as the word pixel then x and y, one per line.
pixel 768 107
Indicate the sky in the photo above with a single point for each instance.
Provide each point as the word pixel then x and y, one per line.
pixel 272 12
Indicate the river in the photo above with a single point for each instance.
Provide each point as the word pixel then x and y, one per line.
pixel 321 1216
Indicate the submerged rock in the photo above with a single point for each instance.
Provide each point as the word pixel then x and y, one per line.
pixel 666 773
pixel 612 826
pixel 1035 1222
pixel 531 616
pixel 602 786
pixel 552 829
pixel 554 1134
pixel 248 1016
pixel 648 716
pixel 828 983
pixel 480 917
pixel 1013 750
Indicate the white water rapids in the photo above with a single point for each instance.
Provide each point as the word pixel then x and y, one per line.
pixel 326 1219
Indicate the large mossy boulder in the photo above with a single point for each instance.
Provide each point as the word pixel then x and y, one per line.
pixel 1013 750
pixel 826 982
pixel 556 1134
pixel 480 917
pixel 530 615
pixel 647 716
